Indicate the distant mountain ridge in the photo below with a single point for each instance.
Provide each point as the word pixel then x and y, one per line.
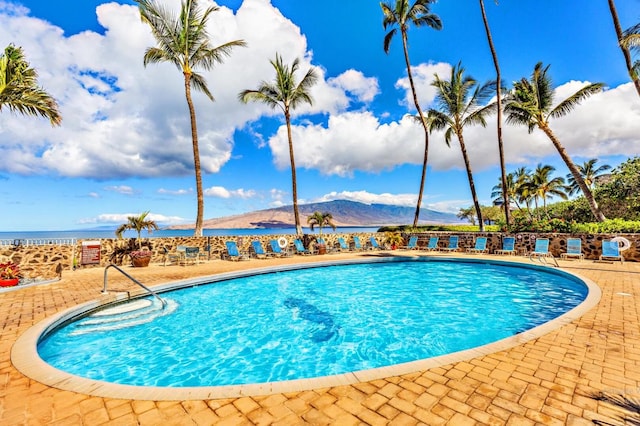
pixel 344 212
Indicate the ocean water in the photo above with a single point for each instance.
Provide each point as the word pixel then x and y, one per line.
pixel 168 233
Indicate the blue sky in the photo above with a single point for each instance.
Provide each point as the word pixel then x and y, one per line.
pixel 124 146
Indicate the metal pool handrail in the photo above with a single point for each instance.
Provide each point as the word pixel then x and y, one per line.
pixel 111 265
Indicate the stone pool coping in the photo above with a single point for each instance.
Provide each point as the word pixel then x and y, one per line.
pixel 25 358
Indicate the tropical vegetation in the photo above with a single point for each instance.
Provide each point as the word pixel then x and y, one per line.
pixel 460 102
pixel 400 16
pixel 137 223
pixel 617 193
pixel 589 172
pixel 627 39
pixel 530 103
pixel 19 89
pixel 321 220
pixel 285 93
pixel 183 40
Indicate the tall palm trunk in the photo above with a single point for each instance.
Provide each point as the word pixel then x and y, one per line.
pixel 416 217
pixel 503 169
pixel 472 186
pixel 294 185
pixel 575 172
pixel 625 51
pixel 196 155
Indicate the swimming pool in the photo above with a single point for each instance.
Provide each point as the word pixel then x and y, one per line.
pixel 331 320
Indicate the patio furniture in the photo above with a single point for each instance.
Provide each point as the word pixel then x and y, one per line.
pixel 541 252
pixel 453 244
pixel 574 249
pixel 480 246
pixel 508 246
pixel 611 251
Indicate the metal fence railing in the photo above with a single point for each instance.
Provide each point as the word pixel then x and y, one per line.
pixel 18 242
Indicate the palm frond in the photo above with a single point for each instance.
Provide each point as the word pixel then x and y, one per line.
pixel 569 104
pixel 631 37
pixel 19 90
pixel 200 84
pixel 387 39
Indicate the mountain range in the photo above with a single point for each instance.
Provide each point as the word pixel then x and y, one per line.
pixel 345 214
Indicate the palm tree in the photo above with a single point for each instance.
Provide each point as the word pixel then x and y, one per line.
pixel 285 93
pixel 138 223
pixel 589 173
pixel 503 170
pixel 402 15
pixel 459 103
pixel 522 177
pixel 530 104
pixel 633 74
pixel 321 220
pixel 19 90
pixel 511 191
pixel 183 41
pixel 542 186
pixel 468 213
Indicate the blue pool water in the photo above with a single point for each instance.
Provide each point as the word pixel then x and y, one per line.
pixel 316 322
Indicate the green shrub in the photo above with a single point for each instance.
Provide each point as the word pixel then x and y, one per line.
pixel 610 226
pixel 446 228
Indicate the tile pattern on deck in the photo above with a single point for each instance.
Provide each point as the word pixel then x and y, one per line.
pixel 547 381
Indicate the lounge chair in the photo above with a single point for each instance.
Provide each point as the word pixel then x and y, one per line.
pixel 356 243
pixel 374 244
pixel 258 250
pixel 508 246
pixel 541 252
pixel 327 249
pixel 611 251
pixel 574 249
pixel 233 253
pixel 173 258
pixel 299 247
pixel 453 244
pixel 191 255
pixel 277 250
pixel 480 247
pixel 343 244
pixel 432 245
pixel 412 244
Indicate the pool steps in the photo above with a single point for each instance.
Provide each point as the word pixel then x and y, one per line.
pixel 125 315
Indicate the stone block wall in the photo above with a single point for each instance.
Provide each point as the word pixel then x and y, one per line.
pixel 43 262
pixel 525 242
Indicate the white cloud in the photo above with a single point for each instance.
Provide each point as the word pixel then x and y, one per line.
pixel 121 189
pixel 221 192
pixel 120 218
pixel 175 192
pixel 122 120
pixel 358 141
pixel 369 198
pixel 364 88
pixel 423 76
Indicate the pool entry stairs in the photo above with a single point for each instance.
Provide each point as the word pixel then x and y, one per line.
pixel 127 314
pixel 123 315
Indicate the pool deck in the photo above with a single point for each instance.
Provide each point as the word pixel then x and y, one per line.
pixel 549 380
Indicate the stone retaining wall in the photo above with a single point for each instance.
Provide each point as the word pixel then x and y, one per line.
pixel 525 242
pixel 42 262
